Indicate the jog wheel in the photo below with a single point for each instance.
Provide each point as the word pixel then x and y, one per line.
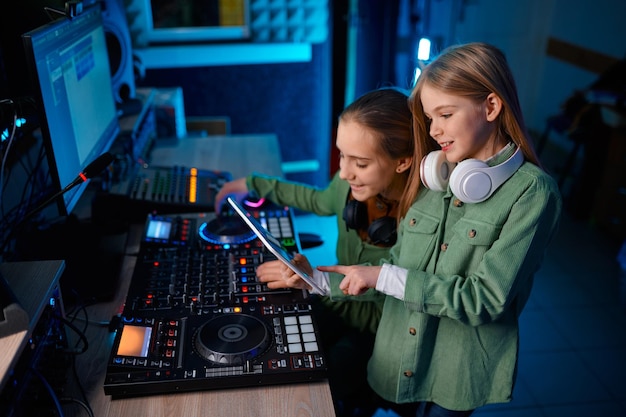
pixel 232 339
pixel 226 229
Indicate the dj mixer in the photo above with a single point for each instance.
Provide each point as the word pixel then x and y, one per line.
pixel 161 189
pixel 197 318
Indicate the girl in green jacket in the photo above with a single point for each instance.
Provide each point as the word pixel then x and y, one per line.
pixel 376 152
pixel 462 270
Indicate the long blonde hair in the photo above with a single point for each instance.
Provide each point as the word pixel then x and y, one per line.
pixel 474 71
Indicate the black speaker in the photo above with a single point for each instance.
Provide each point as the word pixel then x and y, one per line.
pixel 120 49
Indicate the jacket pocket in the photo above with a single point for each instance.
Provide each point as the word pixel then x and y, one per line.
pixel 476 233
pixel 419 239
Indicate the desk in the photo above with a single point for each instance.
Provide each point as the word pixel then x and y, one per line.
pixel 238 154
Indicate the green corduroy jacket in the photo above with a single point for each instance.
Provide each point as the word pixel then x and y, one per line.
pixel 454 338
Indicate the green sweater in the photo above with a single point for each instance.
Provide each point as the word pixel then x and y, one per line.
pixel 454 338
pixel 350 249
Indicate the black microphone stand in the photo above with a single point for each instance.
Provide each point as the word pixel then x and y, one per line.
pixel 92 258
pixel 94 168
pixel 24 220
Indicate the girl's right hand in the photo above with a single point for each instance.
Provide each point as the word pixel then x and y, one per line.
pixel 357 278
pixel 238 188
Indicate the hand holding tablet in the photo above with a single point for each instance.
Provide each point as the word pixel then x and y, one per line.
pixel 273 244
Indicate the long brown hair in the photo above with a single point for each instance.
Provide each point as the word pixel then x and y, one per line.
pixel 474 71
pixel 385 112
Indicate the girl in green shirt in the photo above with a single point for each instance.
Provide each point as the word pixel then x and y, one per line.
pixel 462 270
pixel 376 153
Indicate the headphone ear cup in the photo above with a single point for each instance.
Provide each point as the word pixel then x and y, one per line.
pixel 435 171
pixel 473 181
pixel 383 231
pixel 355 214
pixel 470 181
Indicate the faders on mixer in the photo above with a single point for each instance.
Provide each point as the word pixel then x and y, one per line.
pixel 197 318
pixel 160 189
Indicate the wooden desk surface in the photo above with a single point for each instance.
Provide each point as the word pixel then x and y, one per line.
pixel 12 345
pixel 238 154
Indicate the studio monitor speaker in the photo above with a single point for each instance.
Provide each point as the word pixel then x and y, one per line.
pixel 120 49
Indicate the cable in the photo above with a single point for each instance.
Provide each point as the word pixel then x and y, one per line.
pixel 85 401
pixel 50 390
pixel 6 152
pixel 32 180
pixel 92 169
pixel 80 334
pixel 101 323
pixel 57 11
pixel 67 400
pixel 82 307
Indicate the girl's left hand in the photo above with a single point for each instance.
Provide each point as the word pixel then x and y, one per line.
pixel 278 275
pixel 271 273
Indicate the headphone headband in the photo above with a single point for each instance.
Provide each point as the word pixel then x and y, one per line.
pixel 472 180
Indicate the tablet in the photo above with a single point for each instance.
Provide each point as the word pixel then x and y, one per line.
pixel 272 244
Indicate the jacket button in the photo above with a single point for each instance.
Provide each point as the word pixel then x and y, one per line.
pixel 457 203
pixel 412 331
pixel 408 373
pixel 444 247
pixel 412 222
pixel 472 233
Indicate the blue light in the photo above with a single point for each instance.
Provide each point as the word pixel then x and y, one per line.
pixel 19 122
pixel 423 49
pixel 416 75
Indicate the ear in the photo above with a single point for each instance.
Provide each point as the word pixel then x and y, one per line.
pixel 493 106
pixel 403 164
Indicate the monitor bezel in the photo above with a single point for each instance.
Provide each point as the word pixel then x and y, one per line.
pixel 67 201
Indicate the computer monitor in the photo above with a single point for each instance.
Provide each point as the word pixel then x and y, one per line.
pixel 69 66
pixel 165 22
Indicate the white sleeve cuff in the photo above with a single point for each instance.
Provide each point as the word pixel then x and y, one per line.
pixel 322 279
pixel 392 281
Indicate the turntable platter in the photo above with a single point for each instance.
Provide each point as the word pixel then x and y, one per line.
pixel 226 229
pixel 232 339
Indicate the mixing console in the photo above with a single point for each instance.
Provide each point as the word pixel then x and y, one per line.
pixel 161 189
pixel 196 317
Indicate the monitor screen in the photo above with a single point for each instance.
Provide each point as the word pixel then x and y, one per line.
pixel 69 64
pixel 191 21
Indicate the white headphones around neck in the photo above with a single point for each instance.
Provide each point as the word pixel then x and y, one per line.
pixel 472 180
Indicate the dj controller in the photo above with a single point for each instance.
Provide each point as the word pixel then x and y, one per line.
pixel 197 318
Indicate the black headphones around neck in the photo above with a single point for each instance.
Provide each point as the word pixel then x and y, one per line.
pixel 382 231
